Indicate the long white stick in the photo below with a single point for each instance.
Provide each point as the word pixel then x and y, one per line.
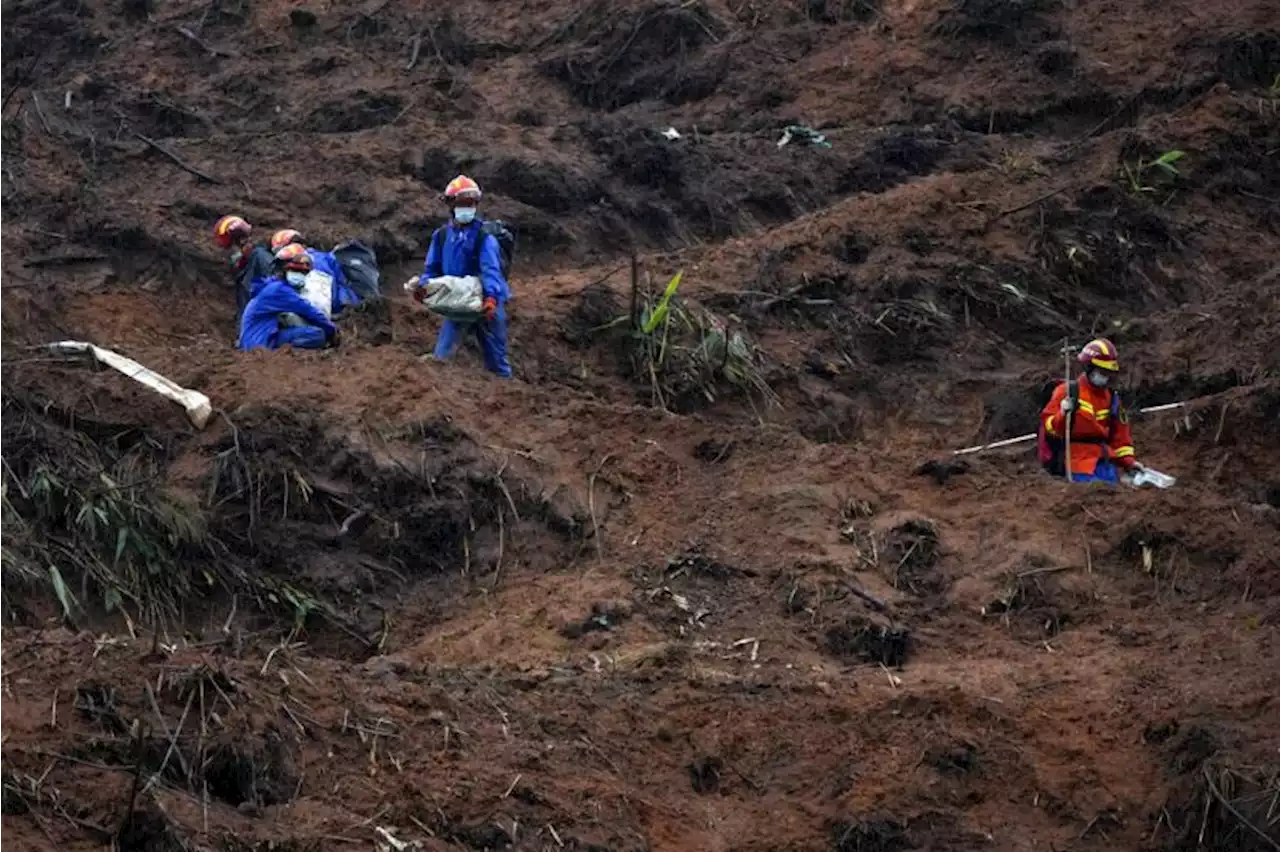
pixel 1022 439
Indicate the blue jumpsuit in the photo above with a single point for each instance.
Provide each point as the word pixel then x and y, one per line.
pixel 260 323
pixel 457 256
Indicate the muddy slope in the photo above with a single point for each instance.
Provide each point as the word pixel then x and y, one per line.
pixel 608 608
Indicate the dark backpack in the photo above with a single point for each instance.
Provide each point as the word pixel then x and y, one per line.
pixel 495 228
pixel 360 267
pixel 1053 450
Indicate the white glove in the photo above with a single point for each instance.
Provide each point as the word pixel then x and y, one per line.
pixel 412 283
pixel 1066 405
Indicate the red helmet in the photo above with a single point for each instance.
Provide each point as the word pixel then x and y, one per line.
pixel 280 239
pixel 228 228
pixel 462 187
pixel 294 258
pixel 1100 353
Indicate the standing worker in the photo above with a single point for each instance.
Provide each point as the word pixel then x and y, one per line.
pixel 1087 413
pixel 465 247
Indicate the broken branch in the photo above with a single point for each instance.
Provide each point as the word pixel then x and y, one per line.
pixel 182 164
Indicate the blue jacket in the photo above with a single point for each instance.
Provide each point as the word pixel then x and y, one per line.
pixel 457 256
pixel 260 324
pixel 327 262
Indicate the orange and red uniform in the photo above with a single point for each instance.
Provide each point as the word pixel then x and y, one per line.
pixel 1094 437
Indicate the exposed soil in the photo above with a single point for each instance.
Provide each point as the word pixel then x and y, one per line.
pixel 597 609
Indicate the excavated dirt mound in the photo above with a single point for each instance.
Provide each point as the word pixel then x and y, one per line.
pixel 705 574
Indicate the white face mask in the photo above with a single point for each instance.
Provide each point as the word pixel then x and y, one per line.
pixel 464 214
pixel 295 278
pixel 1099 379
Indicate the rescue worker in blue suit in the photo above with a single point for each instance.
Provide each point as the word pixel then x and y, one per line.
pixel 324 261
pixel 261 326
pixel 454 251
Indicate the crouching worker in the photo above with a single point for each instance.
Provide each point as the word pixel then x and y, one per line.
pixel 1084 419
pixel 248 262
pixel 465 247
pixel 279 315
pixel 324 263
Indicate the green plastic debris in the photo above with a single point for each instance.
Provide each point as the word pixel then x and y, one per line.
pixel 804 133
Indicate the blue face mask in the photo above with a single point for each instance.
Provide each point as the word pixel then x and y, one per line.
pixel 295 279
pixel 464 215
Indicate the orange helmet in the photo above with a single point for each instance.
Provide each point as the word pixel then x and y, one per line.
pixel 462 187
pixel 294 258
pixel 280 239
pixel 1100 353
pixel 228 228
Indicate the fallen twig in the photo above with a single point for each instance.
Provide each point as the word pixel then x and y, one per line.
pixel 188 34
pixel 497 571
pixel 44 122
pixel 173 739
pixel 875 602
pixel 182 164
pixel 1051 569
pixel 591 505
pixel 137 780
pixel 1222 800
pixel 413 54
pixel 1030 203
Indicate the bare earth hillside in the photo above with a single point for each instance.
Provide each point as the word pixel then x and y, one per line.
pixel 634 599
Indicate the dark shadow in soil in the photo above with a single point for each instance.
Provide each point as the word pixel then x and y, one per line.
pixel 1250 58
pixel 870 642
pixel 148 829
pixel 1010 412
pixel 705 773
pixel 1006 22
pixel 958 758
pixel 841 11
pixel 892 160
pixel 359 110
pixel 660 51
pixel 1109 247
pixel 910 557
pixel 872 835
pixel 1032 604
pixel 262 777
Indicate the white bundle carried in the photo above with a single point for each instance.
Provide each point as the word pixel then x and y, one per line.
pixel 459 298
pixel 318 290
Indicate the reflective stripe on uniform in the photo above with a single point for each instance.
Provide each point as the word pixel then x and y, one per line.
pixel 1121 452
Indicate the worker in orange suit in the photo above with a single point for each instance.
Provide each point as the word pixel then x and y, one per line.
pixel 1101 444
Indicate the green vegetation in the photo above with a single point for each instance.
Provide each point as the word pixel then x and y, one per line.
pixel 684 351
pixel 1139 173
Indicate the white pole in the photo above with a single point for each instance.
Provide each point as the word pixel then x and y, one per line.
pixel 1022 439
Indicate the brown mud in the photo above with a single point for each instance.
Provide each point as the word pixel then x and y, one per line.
pixel 599 607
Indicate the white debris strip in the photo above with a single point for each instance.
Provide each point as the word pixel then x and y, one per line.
pixel 385 841
pixel 196 404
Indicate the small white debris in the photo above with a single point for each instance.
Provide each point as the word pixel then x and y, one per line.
pixel 671 133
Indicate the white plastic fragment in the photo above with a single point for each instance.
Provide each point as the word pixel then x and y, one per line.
pixel 388 842
pixel 196 404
